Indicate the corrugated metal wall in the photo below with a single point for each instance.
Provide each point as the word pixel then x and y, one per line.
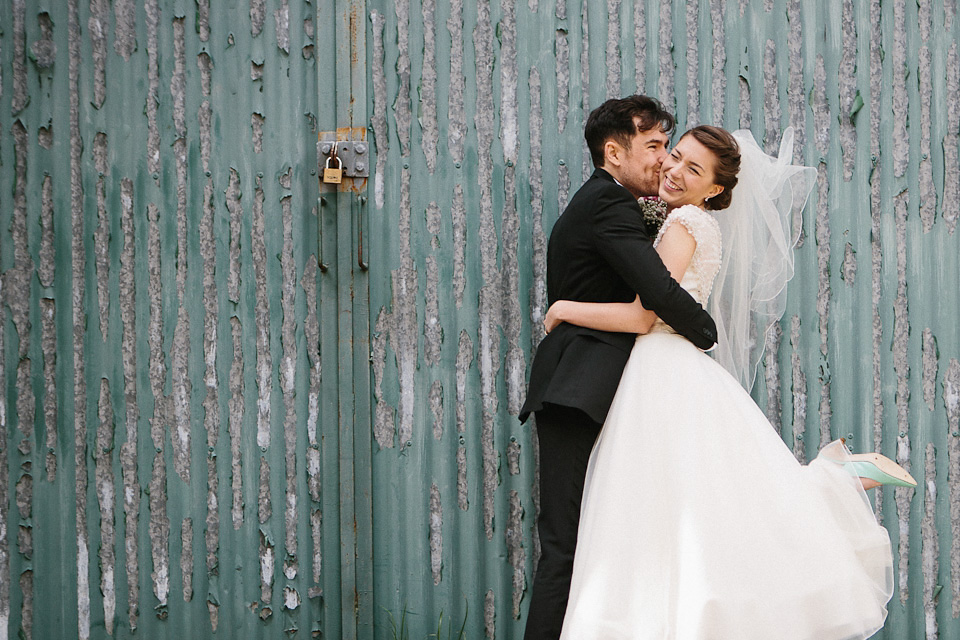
pixel 478 111
pixel 160 469
pixel 172 461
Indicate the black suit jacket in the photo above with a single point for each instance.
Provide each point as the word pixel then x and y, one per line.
pixel 599 251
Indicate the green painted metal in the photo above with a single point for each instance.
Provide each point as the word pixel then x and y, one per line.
pixel 169 260
pixel 217 336
pixel 478 111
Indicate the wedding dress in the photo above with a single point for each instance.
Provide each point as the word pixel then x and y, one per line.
pixel 697 521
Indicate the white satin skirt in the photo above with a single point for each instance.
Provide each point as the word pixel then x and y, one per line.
pixel 699 524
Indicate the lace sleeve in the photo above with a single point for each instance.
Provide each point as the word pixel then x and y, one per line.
pixel 705 231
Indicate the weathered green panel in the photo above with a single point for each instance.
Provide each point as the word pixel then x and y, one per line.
pixel 162 464
pixel 171 277
pixel 477 114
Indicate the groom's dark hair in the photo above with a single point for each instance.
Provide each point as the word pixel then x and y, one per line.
pixel 620 119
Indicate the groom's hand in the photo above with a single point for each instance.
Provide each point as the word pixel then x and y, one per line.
pixel 553 317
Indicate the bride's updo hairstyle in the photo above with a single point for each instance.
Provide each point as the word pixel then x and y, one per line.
pixel 727 153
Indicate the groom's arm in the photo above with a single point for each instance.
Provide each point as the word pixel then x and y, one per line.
pixel 622 240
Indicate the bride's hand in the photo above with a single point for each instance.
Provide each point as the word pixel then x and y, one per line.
pixel 553 317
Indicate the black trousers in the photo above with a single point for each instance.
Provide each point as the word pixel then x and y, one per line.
pixel 566 437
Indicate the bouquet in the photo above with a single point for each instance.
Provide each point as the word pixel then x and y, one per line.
pixel 654 213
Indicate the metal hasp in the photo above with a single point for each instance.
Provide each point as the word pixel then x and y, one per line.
pixel 353 155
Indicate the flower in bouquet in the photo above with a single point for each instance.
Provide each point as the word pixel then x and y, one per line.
pixel 654 213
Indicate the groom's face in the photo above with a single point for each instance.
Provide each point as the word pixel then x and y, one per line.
pixel 641 167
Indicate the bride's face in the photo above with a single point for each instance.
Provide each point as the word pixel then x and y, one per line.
pixel 686 176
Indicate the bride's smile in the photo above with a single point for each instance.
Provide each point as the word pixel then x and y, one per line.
pixel 687 174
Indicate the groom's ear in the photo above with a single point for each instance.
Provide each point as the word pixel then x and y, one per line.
pixel 612 153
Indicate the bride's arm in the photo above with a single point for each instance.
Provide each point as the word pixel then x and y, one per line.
pixel 676 250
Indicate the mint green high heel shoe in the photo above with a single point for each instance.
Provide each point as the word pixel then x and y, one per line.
pixel 879 468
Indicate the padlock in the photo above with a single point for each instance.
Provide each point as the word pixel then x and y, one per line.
pixel 333 175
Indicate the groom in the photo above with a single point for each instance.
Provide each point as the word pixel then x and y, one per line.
pixel 599 251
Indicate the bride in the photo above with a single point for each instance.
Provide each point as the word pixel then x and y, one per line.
pixel 697 521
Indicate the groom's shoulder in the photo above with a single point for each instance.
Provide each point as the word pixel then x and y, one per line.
pixel 599 189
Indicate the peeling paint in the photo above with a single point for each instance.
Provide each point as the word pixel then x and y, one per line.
pixel 262 315
pixel 103 455
pixel 718 69
pixel 563 78
pixel 101 237
pixel 931 544
pixel 383 422
pixel 233 195
pixel 128 450
pixel 152 19
pixel 666 80
pixel 490 615
pixel 49 346
pixel 771 99
pixel 266 572
pixel 256 127
pixel 208 252
pixel 538 289
pixel 463 366
pixel 401 106
pixel 457 121
pixel 516 554
pixel 78 317
pixel 951 154
pixel 771 368
pixel 822 234
pixel 186 558
pixel 693 64
pixel 746 119
pixel 281 21
pixel 951 403
pixel 458 215
pixel 235 423
pixel 125 28
pixel 436 408
pixel 203 20
pixel 258 14
pixel 47 267
pixel 159 527
pixel 26 606
pixel 901 332
pixel 97 26
pixel 848 89
pixel 848 270
pixel 378 119
pixel 20 94
pixel 901 99
pixel 929 365
pixel 432 327
pixel 799 391
pixel 44 51
pixel 490 294
pixel 428 86
pixel 585 104
pixel 264 503
pixel 796 95
pixel 928 191
pixel 182 387
pixel 288 368
pixel 291 599
pixel 876 242
pixel 612 61
pixel 45 136
pixel 4 484
pixel 436 534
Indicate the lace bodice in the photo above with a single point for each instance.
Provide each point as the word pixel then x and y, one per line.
pixel 705 263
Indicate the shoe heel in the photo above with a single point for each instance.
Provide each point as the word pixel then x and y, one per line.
pixel 879 468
